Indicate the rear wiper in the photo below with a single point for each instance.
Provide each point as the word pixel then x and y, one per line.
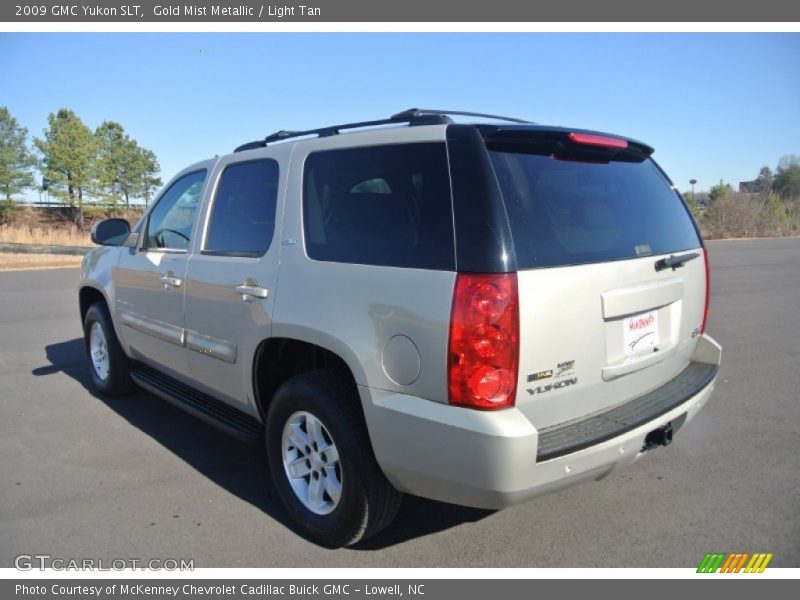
pixel 675 262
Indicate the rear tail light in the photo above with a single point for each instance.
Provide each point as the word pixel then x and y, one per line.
pixel 483 355
pixel 708 291
pixel 601 141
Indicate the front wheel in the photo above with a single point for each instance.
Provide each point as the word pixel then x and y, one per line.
pixel 322 463
pixel 108 363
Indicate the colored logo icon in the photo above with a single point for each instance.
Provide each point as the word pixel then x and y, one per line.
pixel 737 562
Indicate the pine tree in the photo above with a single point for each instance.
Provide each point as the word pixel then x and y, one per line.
pixel 119 164
pixel 16 160
pixel 68 155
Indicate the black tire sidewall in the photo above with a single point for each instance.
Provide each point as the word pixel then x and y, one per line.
pixel 118 380
pixel 348 519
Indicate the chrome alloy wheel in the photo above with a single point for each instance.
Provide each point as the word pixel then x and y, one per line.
pixel 98 349
pixel 311 462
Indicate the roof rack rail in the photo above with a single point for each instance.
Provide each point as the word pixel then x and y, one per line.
pixel 414 113
pixel 335 129
pixel 412 116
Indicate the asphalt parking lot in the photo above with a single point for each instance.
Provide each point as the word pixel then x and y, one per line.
pixel 89 477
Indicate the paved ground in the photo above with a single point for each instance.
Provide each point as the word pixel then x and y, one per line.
pixel 83 476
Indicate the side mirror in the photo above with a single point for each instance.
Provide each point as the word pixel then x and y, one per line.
pixel 111 232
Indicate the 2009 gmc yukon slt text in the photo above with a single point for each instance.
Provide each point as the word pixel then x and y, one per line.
pixel 474 313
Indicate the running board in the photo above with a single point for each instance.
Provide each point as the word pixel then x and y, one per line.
pixel 231 420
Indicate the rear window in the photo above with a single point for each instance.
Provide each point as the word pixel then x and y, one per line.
pixel 568 213
pixel 381 205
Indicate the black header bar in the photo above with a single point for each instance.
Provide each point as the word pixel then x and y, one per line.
pixel 441 11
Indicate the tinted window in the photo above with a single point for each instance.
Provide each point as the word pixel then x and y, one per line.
pixel 243 216
pixel 567 212
pixel 383 205
pixel 169 224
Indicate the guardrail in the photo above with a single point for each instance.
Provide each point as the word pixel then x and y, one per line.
pixel 40 249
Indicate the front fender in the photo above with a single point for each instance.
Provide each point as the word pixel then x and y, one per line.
pixel 97 271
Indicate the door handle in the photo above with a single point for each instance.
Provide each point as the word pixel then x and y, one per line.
pixel 252 291
pixel 170 280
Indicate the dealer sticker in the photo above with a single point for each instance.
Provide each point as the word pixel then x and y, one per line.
pixel 640 332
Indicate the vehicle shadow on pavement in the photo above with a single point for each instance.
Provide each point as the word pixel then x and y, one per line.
pixel 419 517
pixel 238 467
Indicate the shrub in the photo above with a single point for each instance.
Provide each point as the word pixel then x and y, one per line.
pixel 7 208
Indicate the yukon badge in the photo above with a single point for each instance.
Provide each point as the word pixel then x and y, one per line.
pixel 563 374
pixel 541 389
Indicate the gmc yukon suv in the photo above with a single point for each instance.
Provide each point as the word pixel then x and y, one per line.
pixel 473 313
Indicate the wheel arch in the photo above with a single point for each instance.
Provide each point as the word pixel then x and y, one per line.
pixel 279 358
pixel 88 295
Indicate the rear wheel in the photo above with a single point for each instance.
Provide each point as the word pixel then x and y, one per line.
pixel 108 363
pixel 322 462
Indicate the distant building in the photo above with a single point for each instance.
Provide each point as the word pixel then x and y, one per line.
pixel 749 187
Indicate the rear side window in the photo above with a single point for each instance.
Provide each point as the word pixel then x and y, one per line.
pixel 568 212
pixel 243 215
pixel 381 205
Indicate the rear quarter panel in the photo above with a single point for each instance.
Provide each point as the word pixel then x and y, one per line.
pixel 363 312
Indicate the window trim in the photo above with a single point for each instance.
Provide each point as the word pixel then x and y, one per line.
pixel 234 254
pixel 213 202
pixel 142 247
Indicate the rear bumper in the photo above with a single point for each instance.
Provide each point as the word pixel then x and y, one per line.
pixel 497 459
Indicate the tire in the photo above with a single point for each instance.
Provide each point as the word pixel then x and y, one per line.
pixel 366 501
pixel 108 364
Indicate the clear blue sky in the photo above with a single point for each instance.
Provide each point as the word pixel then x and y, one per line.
pixel 714 105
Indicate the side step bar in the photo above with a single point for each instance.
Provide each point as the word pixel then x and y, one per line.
pixel 572 436
pixel 231 420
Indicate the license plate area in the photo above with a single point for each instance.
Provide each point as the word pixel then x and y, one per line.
pixel 637 341
pixel 640 333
